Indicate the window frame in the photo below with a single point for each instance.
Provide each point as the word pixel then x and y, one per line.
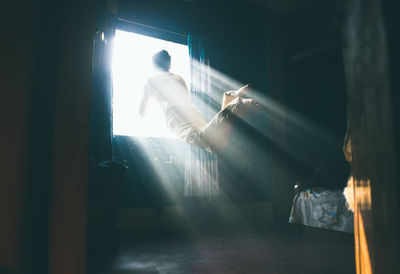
pixel 153 32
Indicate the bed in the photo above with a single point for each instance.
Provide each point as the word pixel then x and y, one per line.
pixel 321 208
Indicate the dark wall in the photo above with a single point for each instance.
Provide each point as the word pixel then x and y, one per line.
pixel 307 85
pixel 392 21
pixel 315 90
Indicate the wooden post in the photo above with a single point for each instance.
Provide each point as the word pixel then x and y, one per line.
pixel 371 127
pixel 68 196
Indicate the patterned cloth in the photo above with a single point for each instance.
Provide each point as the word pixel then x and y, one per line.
pixel 322 208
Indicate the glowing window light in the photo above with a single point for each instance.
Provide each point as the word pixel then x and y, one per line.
pixel 131 67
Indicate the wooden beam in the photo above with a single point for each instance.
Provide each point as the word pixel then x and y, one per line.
pixel 371 128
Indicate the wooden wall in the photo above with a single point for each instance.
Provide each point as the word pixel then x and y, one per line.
pixel 16 73
pixel 371 63
pixel 47 78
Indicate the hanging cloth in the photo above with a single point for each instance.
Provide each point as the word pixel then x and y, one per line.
pixel 201 166
pixel 101 106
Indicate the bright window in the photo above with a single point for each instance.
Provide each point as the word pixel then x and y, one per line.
pixel 131 68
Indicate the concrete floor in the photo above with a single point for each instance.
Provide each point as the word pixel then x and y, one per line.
pixel 239 252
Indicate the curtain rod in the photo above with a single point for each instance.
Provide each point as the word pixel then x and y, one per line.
pixel 151 27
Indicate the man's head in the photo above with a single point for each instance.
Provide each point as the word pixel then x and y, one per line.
pixel 162 60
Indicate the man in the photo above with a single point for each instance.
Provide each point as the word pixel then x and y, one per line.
pixel 182 117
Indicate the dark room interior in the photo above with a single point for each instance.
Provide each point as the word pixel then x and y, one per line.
pixel 306 183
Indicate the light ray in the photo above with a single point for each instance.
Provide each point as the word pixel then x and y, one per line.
pixel 276 123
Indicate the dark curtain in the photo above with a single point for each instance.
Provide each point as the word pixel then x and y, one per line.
pixel 101 107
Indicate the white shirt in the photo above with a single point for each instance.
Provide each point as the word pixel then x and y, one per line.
pixel 171 93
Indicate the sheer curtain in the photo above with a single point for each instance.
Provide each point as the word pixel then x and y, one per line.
pixel 201 167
